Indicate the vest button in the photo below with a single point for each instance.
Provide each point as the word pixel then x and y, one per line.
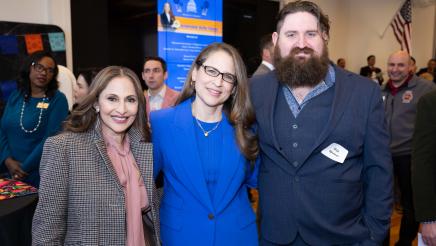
pixel 210 216
pixel 294 126
pixel 295 145
pixel 295 163
pixel 297 179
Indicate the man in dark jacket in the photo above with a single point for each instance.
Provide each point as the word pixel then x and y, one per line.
pixel 401 95
pixel 326 172
pixel 424 167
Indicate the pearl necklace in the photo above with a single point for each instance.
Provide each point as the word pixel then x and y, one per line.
pixel 206 133
pixel 44 99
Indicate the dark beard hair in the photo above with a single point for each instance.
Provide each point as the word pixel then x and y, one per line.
pixel 296 72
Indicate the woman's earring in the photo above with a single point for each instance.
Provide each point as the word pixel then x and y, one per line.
pixel 193 84
pixel 97 109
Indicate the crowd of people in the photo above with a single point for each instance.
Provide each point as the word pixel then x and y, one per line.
pixel 322 145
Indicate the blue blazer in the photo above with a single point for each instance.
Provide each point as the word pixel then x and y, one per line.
pixel 326 202
pixel 188 215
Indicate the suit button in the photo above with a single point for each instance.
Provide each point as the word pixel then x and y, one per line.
pixel 211 217
pixel 295 163
pixel 295 145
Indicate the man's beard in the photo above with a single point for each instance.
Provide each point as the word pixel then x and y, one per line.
pixel 301 72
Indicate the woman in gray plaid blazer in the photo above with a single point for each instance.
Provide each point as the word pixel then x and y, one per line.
pixel 86 193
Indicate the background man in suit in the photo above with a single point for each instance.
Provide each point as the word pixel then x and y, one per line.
pixel 371 71
pixel 424 167
pixel 267 53
pixel 401 95
pixel 413 66
pixel 158 95
pixel 326 172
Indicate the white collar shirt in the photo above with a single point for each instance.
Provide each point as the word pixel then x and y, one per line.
pixel 157 100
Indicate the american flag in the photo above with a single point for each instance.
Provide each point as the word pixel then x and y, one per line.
pixel 401 24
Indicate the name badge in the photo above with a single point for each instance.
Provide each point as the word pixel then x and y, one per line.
pixel 335 152
pixel 42 105
pixel 407 96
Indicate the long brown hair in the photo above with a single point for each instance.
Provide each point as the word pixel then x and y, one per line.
pixel 83 117
pixel 238 106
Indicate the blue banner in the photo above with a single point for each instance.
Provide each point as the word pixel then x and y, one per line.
pixel 185 27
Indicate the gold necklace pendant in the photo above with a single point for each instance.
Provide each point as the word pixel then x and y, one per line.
pixel 206 133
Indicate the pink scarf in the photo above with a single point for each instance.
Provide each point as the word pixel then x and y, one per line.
pixel 133 186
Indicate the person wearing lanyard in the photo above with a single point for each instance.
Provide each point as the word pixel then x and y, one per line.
pixel 33 112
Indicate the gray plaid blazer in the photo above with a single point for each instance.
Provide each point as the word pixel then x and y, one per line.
pixel 81 201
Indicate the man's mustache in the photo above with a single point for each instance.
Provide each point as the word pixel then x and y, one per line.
pixel 305 50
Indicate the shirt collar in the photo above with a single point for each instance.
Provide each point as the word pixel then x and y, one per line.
pixel 394 90
pixel 161 92
pixel 330 77
pixel 269 65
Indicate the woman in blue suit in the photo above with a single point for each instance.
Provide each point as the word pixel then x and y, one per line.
pixel 207 152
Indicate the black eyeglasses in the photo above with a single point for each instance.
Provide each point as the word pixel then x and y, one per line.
pixel 40 68
pixel 211 71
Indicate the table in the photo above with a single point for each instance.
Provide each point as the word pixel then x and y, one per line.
pixel 16 220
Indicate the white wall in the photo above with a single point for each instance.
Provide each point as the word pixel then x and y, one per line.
pixel 54 12
pixel 360 28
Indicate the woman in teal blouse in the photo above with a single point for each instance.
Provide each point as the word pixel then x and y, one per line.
pixel 33 112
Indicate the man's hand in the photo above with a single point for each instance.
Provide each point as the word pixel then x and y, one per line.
pixel 428 232
pixel 14 168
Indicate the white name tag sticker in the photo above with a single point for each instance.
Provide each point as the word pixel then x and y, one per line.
pixel 335 152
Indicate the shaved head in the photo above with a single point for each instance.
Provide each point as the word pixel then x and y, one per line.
pixel 400 54
pixel 399 64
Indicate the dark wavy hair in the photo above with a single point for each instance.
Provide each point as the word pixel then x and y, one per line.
pixel 162 62
pixel 238 107
pixel 304 6
pixel 88 74
pixel 83 117
pixel 24 80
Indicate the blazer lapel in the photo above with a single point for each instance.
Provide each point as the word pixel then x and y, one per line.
pixel 340 102
pixel 167 98
pixel 230 163
pixel 142 152
pixel 101 147
pixel 188 153
pixel 147 104
pixel 271 108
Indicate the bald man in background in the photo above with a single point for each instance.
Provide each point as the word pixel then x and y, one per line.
pixel 400 96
